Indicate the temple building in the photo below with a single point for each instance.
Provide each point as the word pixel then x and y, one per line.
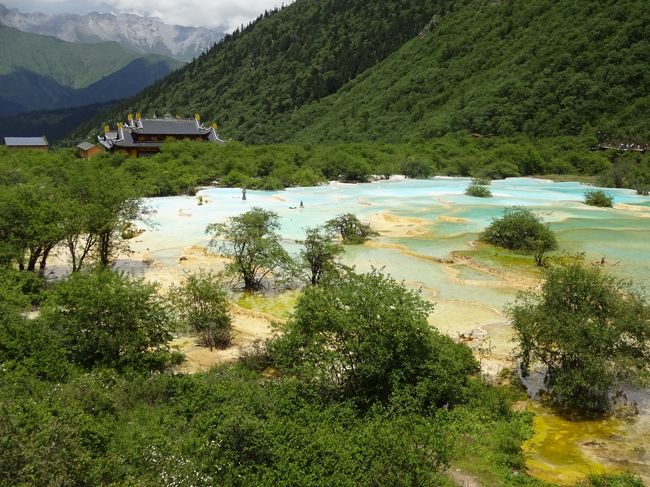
pixel 141 137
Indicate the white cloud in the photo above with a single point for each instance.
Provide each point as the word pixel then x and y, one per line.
pixel 205 13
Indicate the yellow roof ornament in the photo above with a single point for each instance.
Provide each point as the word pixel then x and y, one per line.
pixel 197 117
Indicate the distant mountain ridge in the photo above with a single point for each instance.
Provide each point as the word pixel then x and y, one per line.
pixel 147 35
pixel 44 73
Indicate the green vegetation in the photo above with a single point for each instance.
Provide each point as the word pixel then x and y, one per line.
pixel 184 165
pixel 319 255
pixel 588 330
pixel 385 416
pixel 49 200
pixel 598 197
pixel 104 318
pixel 521 229
pixel 203 307
pixel 351 230
pixel 367 337
pixel 44 73
pixel 252 242
pixel 398 71
pixel 478 188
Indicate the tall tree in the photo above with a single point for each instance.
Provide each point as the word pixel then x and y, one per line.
pixel 319 254
pixel 252 242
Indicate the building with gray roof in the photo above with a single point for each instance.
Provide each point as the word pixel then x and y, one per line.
pixel 34 143
pixel 145 136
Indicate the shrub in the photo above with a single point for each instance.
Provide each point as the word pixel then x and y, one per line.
pixel 478 188
pixel 367 338
pixel 203 306
pixel 598 197
pixel 108 319
pixel 352 231
pixel 520 229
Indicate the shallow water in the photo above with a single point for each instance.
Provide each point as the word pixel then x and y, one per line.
pixel 468 299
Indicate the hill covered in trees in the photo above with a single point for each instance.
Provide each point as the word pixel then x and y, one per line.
pixel 400 70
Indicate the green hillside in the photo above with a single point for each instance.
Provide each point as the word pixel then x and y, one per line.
pixel 44 73
pixel 286 58
pixel 402 70
pixel 543 68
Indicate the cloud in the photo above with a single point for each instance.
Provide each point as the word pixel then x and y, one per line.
pixel 206 13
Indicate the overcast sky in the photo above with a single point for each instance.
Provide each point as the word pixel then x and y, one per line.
pixel 206 13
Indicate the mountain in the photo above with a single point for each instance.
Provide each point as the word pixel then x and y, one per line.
pixel 284 59
pixel 146 35
pixel 543 68
pixel 402 70
pixel 44 73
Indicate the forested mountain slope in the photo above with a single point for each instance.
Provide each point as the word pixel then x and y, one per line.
pixel 285 59
pixel 544 68
pixel 400 70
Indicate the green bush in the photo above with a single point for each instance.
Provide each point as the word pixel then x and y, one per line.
pixel 588 330
pixel 519 229
pixel 598 197
pixel 203 307
pixel 366 337
pixel 351 230
pixel 478 188
pixel 105 318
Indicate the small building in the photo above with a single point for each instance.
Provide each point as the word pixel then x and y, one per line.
pixel 29 143
pixel 86 150
pixel 141 137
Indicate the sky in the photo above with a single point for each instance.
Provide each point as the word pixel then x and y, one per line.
pixel 225 14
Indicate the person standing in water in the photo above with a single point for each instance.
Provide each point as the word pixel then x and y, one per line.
pixel 301 205
pixel 243 194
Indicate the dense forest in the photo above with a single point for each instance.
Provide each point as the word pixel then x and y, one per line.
pixel 407 71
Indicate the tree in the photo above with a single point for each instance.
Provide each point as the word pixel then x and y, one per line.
pixel 30 227
pixel 367 337
pixel 106 318
pixel 352 231
pixel 521 229
pixel 320 254
pixel 203 305
pixel 252 241
pixel 587 329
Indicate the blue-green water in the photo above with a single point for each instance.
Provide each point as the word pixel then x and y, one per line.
pixel 454 220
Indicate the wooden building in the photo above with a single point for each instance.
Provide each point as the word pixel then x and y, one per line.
pixel 86 150
pixel 141 137
pixel 27 143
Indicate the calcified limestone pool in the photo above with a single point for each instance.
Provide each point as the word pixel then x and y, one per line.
pixel 422 223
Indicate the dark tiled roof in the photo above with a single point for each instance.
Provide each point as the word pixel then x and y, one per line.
pixel 124 138
pixel 26 141
pixel 161 126
pixel 85 145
